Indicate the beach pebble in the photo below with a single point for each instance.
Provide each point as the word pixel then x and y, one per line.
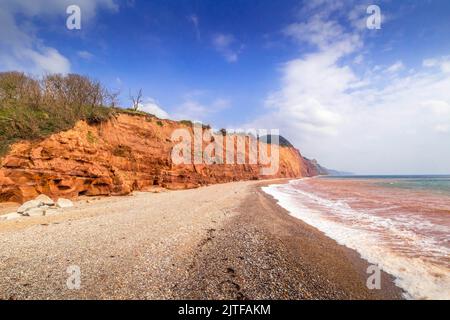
pixel 64 203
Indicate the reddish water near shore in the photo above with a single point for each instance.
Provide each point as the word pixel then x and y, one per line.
pixel 400 224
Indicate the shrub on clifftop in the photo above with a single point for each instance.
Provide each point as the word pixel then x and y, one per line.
pixel 34 108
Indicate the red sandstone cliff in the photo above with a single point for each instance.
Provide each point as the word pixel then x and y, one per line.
pixel 123 154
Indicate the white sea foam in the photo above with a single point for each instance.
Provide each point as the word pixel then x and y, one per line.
pixel 377 239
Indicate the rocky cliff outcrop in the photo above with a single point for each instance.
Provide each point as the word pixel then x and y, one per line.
pixel 126 153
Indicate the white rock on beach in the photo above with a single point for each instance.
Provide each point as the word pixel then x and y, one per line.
pixel 28 205
pixel 45 200
pixel 46 207
pixel 11 216
pixel 64 203
pixel 38 206
pixel 34 212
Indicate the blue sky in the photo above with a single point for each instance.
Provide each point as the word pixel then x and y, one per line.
pixel 367 101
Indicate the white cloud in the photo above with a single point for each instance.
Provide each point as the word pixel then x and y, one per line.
pixel 325 34
pixel 316 31
pixel 396 67
pixel 442 128
pixel 365 122
pixel 85 55
pixel 443 63
pixel 358 16
pixel 324 8
pixel 152 107
pixel 48 59
pixel 20 46
pixel 438 107
pixel 430 63
pixel 227 46
pixel 56 7
pixel 198 106
pixel 358 59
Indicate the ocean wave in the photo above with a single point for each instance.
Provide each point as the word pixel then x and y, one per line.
pixel 389 242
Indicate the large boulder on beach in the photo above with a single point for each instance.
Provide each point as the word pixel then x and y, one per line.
pixel 10 216
pixel 45 200
pixel 35 212
pixel 64 203
pixel 37 206
pixel 29 205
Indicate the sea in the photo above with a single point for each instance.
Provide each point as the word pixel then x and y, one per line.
pixel 399 223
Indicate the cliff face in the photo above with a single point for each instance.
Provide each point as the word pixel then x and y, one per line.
pixel 123 154
pixel 319 169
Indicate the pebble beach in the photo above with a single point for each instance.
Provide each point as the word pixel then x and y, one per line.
pixel 225 241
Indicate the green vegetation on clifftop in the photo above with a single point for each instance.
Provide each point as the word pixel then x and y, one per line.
pixel 35 108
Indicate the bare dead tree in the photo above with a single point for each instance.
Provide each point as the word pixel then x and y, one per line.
pixel 113 98
pixel 137 100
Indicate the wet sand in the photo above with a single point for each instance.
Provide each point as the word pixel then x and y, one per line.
pixel 228 241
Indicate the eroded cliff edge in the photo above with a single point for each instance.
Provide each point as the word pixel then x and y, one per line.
pixel 116 157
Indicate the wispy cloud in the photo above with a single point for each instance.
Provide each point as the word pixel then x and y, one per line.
pixel 200 106
pixel 396 67
pixel 227 46
pixel 86 55
pixel 442 62
pixel 21 48
pixel 363 122
pixel 193 18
